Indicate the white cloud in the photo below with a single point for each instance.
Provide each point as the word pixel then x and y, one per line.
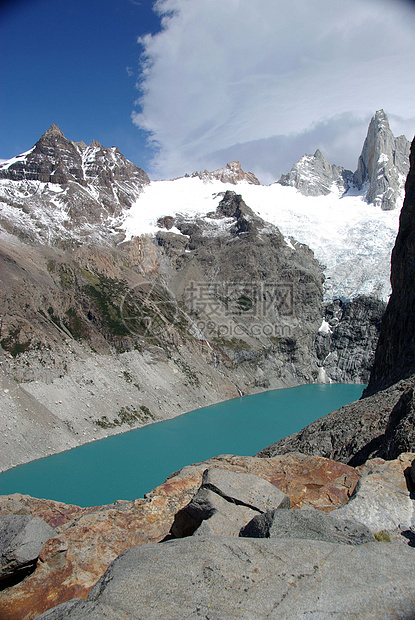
pixel 235 75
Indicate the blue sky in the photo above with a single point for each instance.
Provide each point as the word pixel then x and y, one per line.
pixel 73 63
pixel 262 82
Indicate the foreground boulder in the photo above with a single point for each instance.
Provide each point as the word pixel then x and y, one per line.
pixel 225 502
pixel 89 539
pixel 21 540
pixel 307 524
pixel 383 498
pixel 230 578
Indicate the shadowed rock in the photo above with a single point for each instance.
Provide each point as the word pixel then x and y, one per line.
pixel 306 524
pixel 21 540
pixel 225 502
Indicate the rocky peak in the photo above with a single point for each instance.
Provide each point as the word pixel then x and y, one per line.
pixel 312 175
pixel 232 205
pixel 53 130
pixel 83 186
pixel 383 163
pixel 231 173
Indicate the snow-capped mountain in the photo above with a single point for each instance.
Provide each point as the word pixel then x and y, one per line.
pixel 65 191
pixel 231 173
pixel 383 165
pixel 61 190
pixel 341 216
pixel 312 175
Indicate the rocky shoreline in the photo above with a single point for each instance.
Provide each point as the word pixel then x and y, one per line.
pixel 294 506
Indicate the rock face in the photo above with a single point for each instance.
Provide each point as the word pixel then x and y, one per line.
pixel 378 426
pixel 307 525
pixel 312 175
pixel 383 164
pixel 232 173
pixel 21 540
pixel 395 353
pixel 346 341
pixel 89 539
pixel 251 578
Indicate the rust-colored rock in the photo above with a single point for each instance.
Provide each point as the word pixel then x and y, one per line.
pixel 89 539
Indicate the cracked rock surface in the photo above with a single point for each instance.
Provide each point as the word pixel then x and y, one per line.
pixel 229 578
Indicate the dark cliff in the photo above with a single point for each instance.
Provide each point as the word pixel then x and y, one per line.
pixel 381 424
pixel 395 353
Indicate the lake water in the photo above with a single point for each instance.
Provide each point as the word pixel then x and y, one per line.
pixel 127 466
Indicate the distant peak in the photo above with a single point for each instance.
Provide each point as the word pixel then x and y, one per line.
pixel 53 130
pixel 319 154
pixel 95 143
pixel 234 165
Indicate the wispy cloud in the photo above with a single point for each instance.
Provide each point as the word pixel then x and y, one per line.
pixel 272 77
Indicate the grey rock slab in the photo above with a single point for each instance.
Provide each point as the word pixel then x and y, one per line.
pixel 381 500
pixel 21 540
pixel 224 518
pixel 307 524
pixel 219 578
pixel 245 489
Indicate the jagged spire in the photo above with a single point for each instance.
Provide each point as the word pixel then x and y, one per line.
pixel 383 163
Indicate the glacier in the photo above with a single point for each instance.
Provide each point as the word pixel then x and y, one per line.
pixel 351 238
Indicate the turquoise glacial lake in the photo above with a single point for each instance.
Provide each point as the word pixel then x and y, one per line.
pixel 129 465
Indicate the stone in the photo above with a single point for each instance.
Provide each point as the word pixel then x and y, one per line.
pixel 219 578
pixel 21 540
pixel 89 539
pixel 228 500
pixel 208 511
pixel 381 499
pixel 307 524
pixel 245 489
pixel 225 502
